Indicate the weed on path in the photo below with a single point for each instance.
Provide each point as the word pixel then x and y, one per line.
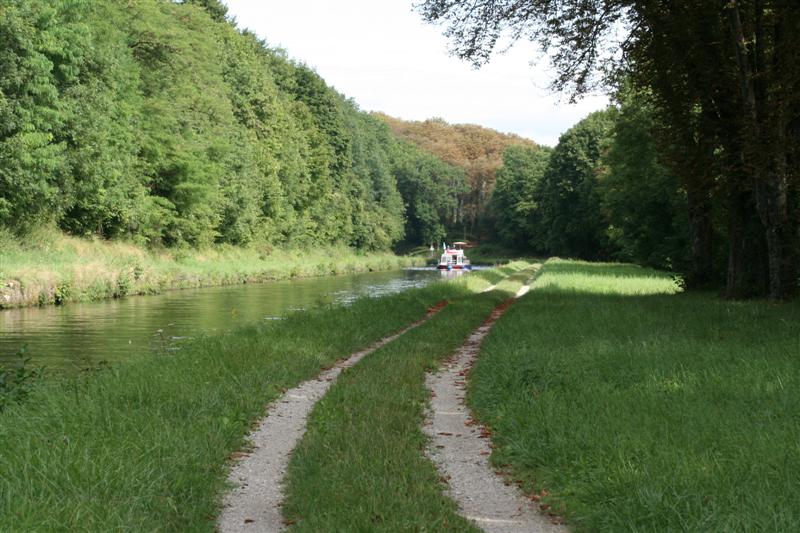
pixel 360 465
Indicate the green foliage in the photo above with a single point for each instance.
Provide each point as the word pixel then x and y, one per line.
pixel 430 188
pixel 646 210
pixel 572 222
pixel 215 8
pixel 514 203
pixel 601 193
pixel 34 177
pixel 163 123
pixel 377 204
pixel 549 200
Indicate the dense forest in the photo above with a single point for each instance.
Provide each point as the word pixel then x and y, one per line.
pixel 162 123
pixel 713 90
pixel 478 151
pixel 601 193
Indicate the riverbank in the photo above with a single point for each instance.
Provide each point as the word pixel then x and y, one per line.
pixel 53 268
pixel 146 446
pixel 611 397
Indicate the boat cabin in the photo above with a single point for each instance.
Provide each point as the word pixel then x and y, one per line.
pixel 453 258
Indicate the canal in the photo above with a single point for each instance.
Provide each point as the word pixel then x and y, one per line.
pixel 81 335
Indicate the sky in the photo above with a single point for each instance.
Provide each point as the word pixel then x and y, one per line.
pixel 382 54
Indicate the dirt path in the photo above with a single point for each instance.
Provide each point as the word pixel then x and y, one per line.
pixel 460 448
pixel 254 503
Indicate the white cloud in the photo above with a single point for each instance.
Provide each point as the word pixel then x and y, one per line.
pixel 381 53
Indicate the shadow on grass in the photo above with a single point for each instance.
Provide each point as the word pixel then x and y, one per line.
pixel 646 411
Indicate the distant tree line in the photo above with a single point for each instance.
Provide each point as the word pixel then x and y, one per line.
pixel 722 86
pixel 162 123
pixel 601 193
pixel 478 151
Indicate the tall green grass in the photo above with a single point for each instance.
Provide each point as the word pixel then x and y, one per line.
pixel 643 410
pixel 50 267
pixel 562 276
pixel 144 446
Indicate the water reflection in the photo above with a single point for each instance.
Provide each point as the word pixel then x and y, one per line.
pixel 78 335
pixel 451 274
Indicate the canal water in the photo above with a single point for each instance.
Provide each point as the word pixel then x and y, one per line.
pixel 82 335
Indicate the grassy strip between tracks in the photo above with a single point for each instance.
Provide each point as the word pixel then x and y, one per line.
pixel 144 447
pixel 360 465
pixel 641 410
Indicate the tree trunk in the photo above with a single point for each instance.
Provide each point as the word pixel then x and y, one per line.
pixel 764 135
pixel 781 233
pixel 701 266
pixel 747 250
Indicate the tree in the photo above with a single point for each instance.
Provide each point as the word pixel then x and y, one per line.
pixel 572 220
pixel 377 206
pixel 35 182
pixel 430 189
pixel 725 73
pixel 475 149
pixel 515 204
pixel 163 123
pixel 216 9
pixel 646 208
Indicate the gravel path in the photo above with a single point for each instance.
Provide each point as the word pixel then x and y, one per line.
pixel 254 503
pixel 460 449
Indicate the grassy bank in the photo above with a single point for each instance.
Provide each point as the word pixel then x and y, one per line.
pixel 359 466
pixel 642 410
pixel 50 267
pixel 144 446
